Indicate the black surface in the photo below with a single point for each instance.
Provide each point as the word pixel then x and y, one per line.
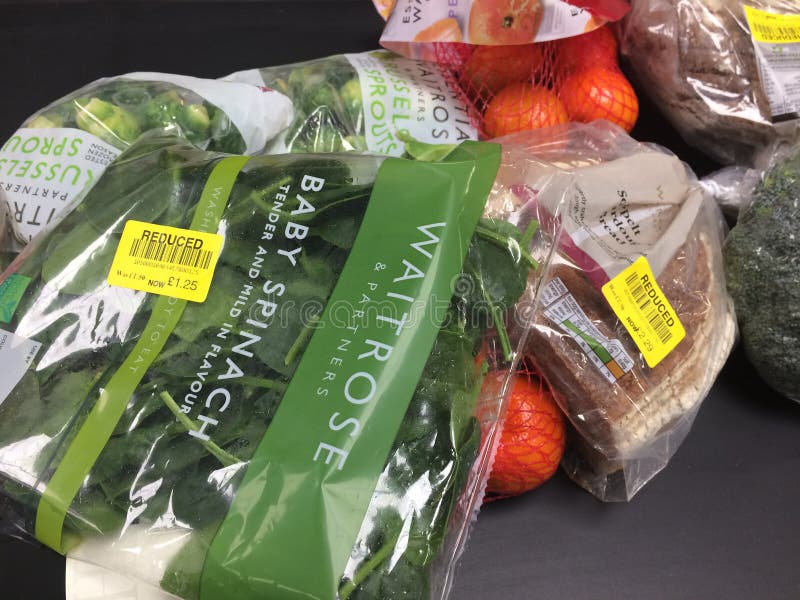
pixel 720 522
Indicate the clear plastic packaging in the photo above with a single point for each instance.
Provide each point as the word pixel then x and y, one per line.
pixel 61 150
pixel 718 86
pixel 762 262
pixel 309 426
pixel 612 200
pixel 406 101
pixel 731 187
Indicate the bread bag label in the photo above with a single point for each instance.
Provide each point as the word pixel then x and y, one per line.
pixel 776 40
pixel 617 213
pixel 645 311
pixel 607 355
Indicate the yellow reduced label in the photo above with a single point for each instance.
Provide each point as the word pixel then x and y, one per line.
pixel 165 260
pixel 645 312
pixel 772 28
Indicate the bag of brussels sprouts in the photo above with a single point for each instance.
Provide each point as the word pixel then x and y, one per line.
pixel 63 149
pixel 234 377
pixel 376 101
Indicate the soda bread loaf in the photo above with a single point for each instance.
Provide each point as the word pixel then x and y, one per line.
pixel 623 423
pixel 696 60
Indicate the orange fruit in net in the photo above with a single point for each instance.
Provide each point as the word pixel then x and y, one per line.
pixel 443 30
pixel 600 93
pixel 532 439
pixel 490 68
pixel 520 107
pixel 596 48
pixel 501 22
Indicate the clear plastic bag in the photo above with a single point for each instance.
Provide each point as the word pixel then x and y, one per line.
pixel 699 63
pixel 310 425
pixel 731 187
pixel 612 200
pixel 406 101
pixel 762 262
pixel 61 150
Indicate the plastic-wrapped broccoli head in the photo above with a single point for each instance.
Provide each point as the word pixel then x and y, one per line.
pixel 762 260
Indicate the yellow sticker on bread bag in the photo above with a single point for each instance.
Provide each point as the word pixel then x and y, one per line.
pixel 773 28
pixel 165 260
pixel 644 310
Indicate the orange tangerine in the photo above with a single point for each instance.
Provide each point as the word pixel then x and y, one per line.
pixel 522 106
pixel 600 93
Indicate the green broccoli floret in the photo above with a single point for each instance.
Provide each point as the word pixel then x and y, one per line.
pixel 762 263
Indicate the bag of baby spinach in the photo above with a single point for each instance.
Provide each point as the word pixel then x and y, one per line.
pixel 234 377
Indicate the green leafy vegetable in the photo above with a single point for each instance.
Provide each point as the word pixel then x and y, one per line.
pixel 152 470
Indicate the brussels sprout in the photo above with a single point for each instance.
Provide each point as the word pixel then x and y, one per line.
pixel 195 122
pixel 107 121
pixel 357 143
pixel 350 93
pixel 324 96
pixel 225 136
pixel 44 121
pixel 131 96
pixel 163 110
pixel 303 79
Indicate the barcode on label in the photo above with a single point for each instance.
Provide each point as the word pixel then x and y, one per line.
pixel 170 253
pixel 775 33
pixel 647 308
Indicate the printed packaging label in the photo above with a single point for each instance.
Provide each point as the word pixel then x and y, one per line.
pixel 11 291
pixel 16 354
pixel 43 170
pixel 607 355
pixel 408 96
pixel 168 261
pixel 641 205
pixel 776 40
pixel 645 311
pixel 482 22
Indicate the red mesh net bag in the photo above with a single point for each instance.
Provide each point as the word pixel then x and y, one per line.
pixel 531 86
pixel 533 437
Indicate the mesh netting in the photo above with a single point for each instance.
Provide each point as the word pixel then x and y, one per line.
pixel 531 86
pixel 532 440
